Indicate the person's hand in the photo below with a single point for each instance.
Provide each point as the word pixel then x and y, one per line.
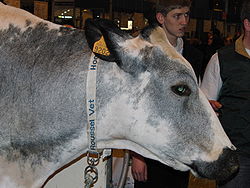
pixel 215 105
pixel 139 168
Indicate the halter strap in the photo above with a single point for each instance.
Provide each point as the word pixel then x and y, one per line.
pixel 91 102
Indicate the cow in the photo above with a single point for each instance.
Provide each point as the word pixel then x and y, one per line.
pixel 147 100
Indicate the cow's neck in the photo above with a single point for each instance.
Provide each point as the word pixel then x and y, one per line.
pixel 119 95
pixel 33 172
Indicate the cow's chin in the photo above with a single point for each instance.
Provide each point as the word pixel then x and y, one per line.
pixel 180 166
pixel 142 150
pixel 167 160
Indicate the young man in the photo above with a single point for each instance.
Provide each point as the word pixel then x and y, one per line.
pixel 226 84
pixel 173 16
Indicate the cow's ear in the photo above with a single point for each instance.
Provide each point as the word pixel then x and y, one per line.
pixel 103 37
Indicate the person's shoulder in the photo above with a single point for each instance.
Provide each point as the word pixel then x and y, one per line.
pixel 226 49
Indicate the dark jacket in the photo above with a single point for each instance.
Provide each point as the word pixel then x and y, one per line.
pixel 194 57
pixel 235 95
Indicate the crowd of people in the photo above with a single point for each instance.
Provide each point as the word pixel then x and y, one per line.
pixel 212 42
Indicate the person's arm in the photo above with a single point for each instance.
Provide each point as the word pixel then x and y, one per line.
pixel 211 83
pixel 139 167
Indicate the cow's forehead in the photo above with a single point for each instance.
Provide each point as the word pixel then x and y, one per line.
pixel 134 46
pixel 21 22
pixel 159 38
pixel 164 53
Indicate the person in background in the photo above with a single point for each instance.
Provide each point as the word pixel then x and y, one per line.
pixel 226 84
pixel 214 42
pixel 173 17
pixel 236 35
pixel 228 41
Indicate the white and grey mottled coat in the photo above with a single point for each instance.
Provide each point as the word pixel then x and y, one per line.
pixel 148 101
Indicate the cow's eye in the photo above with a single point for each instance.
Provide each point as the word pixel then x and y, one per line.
pixel 182 90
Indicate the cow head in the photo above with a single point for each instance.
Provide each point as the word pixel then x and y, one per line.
pixel 156 107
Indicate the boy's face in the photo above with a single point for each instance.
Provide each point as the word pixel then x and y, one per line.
pixel 175 22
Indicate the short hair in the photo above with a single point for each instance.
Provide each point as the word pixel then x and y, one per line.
pixel 165 6
pixel 245 10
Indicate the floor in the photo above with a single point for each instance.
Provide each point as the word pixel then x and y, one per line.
pixel 200 183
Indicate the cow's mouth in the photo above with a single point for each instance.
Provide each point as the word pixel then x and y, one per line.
pixel 220 170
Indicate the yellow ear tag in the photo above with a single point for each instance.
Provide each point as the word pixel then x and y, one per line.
pixel 100 47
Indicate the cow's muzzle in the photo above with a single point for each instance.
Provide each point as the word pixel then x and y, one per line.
pixel 221 170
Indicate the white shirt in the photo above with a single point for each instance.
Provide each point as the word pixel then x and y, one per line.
pixel 248 51
pixel 211 83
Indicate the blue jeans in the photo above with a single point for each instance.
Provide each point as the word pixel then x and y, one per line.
pixel 242 179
